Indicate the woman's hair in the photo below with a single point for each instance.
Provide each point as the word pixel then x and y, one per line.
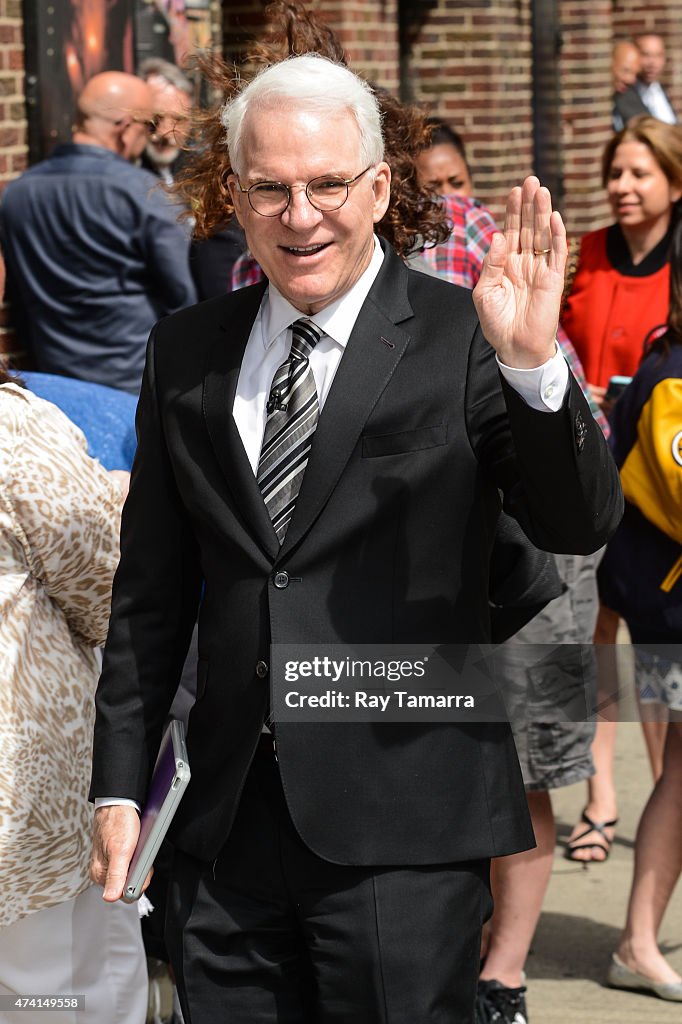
pixel 659 339
pixel 664 141
pixel 443 135
pixel 414 216
pixel 10 378
pixel 311 83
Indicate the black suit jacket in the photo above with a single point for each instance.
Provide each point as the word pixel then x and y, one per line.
pixel 389 542
pixel 627 104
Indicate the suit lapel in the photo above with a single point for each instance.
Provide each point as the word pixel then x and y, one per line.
pixel 220 385
pixel 374 349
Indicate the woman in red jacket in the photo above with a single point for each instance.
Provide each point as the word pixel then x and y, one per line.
pixel 620 293
pixel 622 283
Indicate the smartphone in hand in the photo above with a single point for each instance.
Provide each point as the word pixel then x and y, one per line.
pixel 616 387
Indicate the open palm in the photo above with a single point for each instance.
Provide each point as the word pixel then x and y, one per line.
pixel 519 292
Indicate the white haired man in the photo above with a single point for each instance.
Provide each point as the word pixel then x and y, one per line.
pixel 343 875
pixel 652 57
pixel 171 92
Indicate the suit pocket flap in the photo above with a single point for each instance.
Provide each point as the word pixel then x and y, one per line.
pixel 404 441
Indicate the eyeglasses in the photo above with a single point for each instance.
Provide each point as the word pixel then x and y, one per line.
pixel 151 124
pixel 326 193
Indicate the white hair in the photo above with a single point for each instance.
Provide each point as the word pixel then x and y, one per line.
pixel 311 83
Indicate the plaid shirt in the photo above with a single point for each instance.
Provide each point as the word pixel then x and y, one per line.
pixel 245 271
pixel 459 259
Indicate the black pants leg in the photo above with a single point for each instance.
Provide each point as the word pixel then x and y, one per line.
pixel 273 934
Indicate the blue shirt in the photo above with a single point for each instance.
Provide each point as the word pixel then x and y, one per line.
pixel 94 257
pixel 106 416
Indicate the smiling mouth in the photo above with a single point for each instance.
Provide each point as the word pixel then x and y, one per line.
pixel 304 250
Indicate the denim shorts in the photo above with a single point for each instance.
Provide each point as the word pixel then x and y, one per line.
pixel 658 665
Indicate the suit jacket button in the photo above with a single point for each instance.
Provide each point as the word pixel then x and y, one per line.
pixel 281 580
pixel 262 669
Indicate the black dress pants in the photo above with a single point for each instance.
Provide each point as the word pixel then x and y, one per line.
pixel 273 934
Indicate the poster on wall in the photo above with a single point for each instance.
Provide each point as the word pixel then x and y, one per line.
pixel 69 41
pixel 172 29
pixel 66 44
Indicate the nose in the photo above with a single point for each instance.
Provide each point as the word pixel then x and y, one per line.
pixel 300 214
pixel 623 183
pixel 165 126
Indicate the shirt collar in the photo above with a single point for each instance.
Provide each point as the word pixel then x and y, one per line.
pixel 337 319
pixel 620 259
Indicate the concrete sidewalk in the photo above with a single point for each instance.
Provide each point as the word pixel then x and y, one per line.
pixel 584 912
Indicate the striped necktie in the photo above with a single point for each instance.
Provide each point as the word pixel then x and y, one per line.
pixel 293 412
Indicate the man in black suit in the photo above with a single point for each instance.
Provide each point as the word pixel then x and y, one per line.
pixel 343 875
pixel 625 66
pixel 648 85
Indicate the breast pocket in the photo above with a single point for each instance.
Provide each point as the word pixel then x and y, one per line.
pixel 404 441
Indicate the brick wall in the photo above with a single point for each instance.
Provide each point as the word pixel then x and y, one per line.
pixel 367 29
pixel 586 101
pixel 463 62
pixel 13 146
pixel 470 64
pixel 663 17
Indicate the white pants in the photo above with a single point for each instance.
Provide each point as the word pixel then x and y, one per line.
pixel 82 947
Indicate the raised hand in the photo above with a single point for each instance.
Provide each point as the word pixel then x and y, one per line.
pixel 518 294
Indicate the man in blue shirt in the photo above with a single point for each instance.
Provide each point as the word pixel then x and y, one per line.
pixel 93 250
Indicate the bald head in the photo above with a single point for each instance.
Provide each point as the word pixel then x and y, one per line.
pixel 114 111
pixel 625 65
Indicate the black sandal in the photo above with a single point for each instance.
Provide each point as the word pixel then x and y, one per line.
pixel 593 826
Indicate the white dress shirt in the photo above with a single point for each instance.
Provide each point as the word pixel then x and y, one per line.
pixel 543 387
pixel 657 103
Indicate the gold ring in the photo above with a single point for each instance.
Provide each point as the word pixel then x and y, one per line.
pixel 541 252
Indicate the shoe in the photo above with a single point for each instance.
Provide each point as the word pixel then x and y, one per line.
pixel 592 826
pixel 496 1004
pixel 620 976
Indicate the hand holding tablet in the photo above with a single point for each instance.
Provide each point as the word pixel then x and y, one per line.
pixel 169 782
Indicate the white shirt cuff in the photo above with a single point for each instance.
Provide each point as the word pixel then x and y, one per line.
pixel 544 387
pixel 113 801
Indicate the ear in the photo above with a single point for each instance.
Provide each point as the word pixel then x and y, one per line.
pixel 382 190
pixel 675 193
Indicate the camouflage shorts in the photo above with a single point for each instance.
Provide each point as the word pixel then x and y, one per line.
pixel 545 672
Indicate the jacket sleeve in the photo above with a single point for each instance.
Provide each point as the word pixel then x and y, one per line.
pixel 154 606
pixel 166 252
pixel 554 468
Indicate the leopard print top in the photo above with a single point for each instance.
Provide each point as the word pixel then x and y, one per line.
pixel 59 524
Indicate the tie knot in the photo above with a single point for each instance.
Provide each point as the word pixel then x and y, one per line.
pixel 304 337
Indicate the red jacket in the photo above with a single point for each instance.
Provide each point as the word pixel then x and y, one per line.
pixel 608 314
